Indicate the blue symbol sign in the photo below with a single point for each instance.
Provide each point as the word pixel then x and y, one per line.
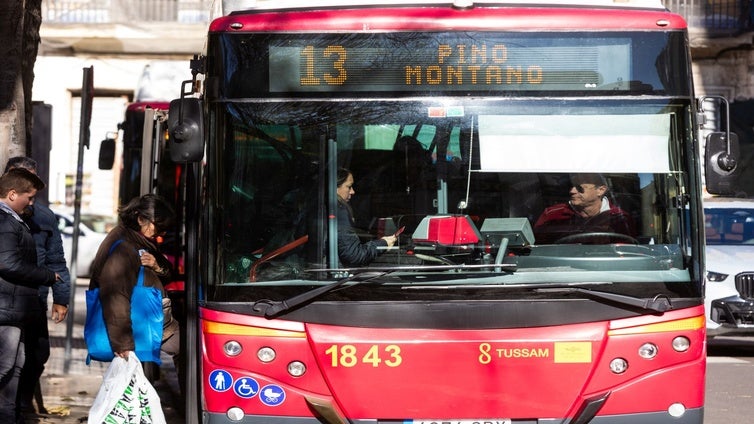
pixel 272 395
pixel 246 387
pixel 220 380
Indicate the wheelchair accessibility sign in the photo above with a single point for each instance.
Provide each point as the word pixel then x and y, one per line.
pixel 246 387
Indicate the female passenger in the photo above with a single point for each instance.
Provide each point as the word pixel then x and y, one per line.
pixel 115 271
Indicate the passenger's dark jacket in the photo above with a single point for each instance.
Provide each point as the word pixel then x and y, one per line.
pixel 20 276
pixel 44 228
pixel 116 274
pixel 351 250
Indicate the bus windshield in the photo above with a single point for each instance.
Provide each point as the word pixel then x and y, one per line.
pixel 484 189
pixel 465 184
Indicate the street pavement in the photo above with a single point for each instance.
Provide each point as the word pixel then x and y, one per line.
pixel 69 385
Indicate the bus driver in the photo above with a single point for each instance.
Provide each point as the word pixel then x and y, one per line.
pixel 351 251
pixel 587 212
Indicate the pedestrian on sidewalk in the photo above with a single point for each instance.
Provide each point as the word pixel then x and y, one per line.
pixel 44 228
pixel 20 278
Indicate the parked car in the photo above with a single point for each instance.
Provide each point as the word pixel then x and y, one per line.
pixel 92 230
pixel 729 297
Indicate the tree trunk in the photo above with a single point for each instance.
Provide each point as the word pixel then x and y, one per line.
pixel 31 39
pixel 19 40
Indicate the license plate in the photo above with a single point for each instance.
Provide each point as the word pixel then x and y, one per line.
pixel 479 421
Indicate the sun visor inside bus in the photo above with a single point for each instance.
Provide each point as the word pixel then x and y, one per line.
pixel 568 143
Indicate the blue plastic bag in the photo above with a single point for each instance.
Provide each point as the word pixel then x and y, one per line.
pixel 146 321
pixel 95 332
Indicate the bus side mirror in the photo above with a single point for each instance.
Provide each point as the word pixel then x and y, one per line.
pixel 721 156
pixel 186 130
pixel 107 152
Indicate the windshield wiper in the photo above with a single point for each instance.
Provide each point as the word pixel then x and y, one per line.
pixel 358 276
pixel 660 303
pixel 275 309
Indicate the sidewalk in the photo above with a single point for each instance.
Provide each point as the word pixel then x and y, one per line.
pixel 69 395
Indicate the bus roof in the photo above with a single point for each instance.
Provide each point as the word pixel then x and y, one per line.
pixel 229 6
pixel 141 106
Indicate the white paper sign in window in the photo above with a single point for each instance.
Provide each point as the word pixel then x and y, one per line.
pixel 569 143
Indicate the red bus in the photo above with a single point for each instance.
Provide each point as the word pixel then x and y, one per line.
pixel 133 166
pixel 462 125
pixel 142 170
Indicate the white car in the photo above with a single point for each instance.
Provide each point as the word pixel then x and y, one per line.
pixel 89 238
pixel 729 296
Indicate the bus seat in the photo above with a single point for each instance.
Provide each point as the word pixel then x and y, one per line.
pixel 274 254
pixel 525 198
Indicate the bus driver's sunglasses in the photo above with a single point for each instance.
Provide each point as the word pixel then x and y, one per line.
pixel 580 187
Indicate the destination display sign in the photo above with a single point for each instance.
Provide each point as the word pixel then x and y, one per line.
pixel 482 63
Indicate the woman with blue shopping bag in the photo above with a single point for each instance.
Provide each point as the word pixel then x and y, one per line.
pixel 127 275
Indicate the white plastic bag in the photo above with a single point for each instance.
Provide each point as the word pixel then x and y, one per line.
pixel 126 396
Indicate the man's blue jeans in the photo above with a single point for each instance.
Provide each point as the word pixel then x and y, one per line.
pixel 11 361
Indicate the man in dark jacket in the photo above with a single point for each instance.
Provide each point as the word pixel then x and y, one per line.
pixel 44 228
pixel 20 278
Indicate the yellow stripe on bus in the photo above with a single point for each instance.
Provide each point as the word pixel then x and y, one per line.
pixel 693 323
pixel 211 327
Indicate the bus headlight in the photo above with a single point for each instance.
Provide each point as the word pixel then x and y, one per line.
pixel 234 414
pixel 296 368
pixel 676 410
pixel 232 348
pixel 266 354
pixel 681 344
pixel 618 365
pixel 648 350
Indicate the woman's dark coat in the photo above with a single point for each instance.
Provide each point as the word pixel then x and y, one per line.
pixel 116 274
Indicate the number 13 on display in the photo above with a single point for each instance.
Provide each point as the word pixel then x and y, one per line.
pixel 333 60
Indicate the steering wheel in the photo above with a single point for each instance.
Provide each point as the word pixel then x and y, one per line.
pixel 592 235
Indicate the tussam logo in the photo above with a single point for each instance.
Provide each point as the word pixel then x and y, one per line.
pixel 487 353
